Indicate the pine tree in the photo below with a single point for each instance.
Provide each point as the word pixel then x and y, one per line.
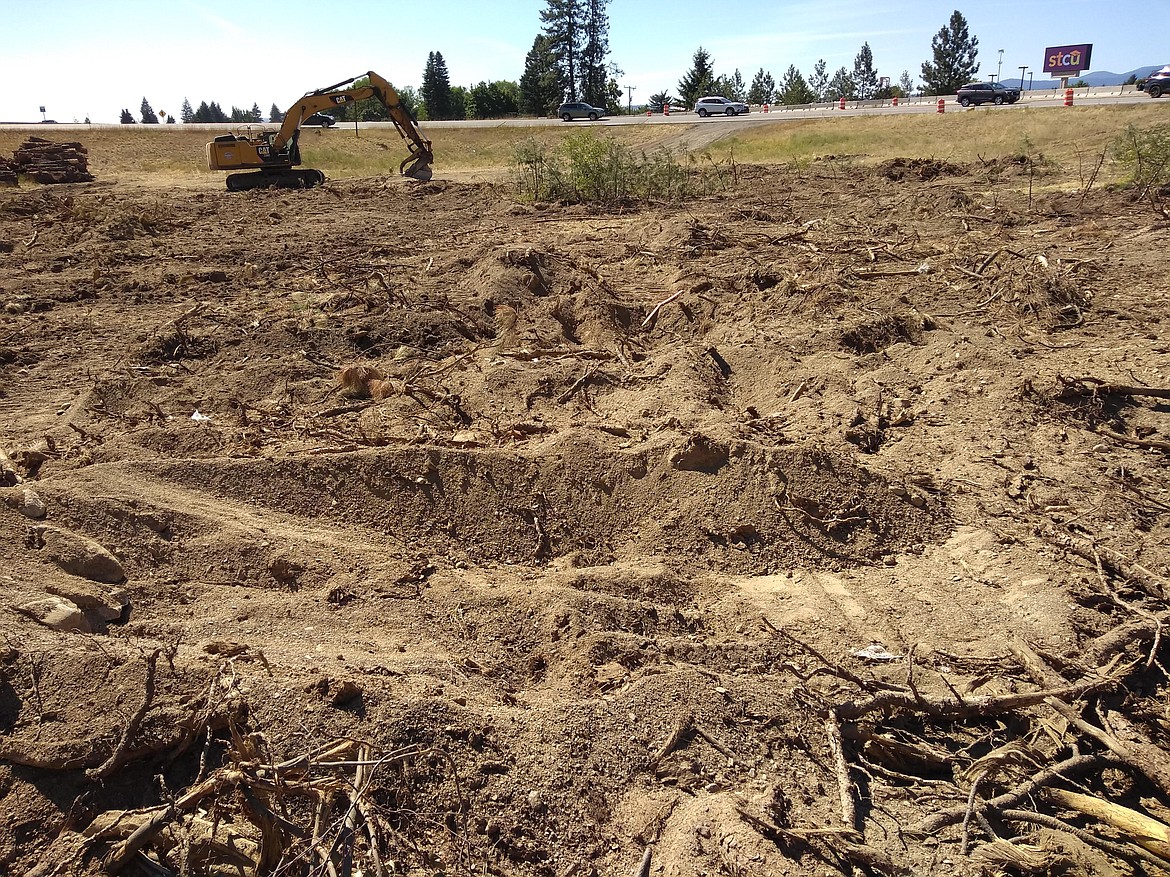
pixel 275 115
pixel 818 82
pixel 841 86
pixel 216 112
pixel 738 88
pixel 148 115
pixel 540 86
pixel 186 113
pixel 699 80
pixel 763 90
pixel 906 83
pixel 171 119
pixel 257 116
pixel 794 89
pixel 955 51
pixel 865 78
pixel 594 72
pixel 127 118
pixel 657 101
pixel 436 87
pixel 563 28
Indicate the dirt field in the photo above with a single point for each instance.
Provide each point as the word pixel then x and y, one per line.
pixel 800 529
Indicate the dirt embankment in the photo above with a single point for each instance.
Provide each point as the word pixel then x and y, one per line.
pixel 753 532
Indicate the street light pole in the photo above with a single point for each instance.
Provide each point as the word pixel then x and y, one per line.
pixel 1023 69
pixel 999 69
pixel 630 99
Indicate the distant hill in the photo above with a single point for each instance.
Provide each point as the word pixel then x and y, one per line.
pixel 1097 77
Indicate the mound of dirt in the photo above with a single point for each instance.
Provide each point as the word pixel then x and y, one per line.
pixel 405 529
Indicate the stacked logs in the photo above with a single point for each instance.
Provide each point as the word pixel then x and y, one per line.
pixel 47 162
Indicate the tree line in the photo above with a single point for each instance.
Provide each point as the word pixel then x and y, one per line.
pixel 569 61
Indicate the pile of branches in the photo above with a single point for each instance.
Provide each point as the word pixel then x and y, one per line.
pixel 1065 744
pixel 47 162
pixel 8 172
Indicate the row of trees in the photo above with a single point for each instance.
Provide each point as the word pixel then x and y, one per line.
pixel 954 52
pixel 569 61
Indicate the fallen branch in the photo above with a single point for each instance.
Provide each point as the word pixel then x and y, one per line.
pixel 841 768
pixel 1127 853
pixel 654 312
pixel 1153 444
pixel 1141 829
pixel 120 754
pixel 1099 388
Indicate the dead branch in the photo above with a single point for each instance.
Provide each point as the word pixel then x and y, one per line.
pixel 1139 828
pixel 1115 642
pixel 644 868
pixel 654 311
pixel 1141 755
pixel 1153 444
pixel 980 706
pixel 119 756
pixel 1126 853
pixel 1037 781
pixel 841 767
pixel 1090 386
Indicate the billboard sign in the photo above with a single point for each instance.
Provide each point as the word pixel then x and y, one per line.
pixel 1067 60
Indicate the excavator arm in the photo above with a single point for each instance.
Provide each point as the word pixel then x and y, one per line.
pixel 275 154
pixel 417 164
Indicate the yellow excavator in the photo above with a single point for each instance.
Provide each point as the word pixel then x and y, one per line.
pixel 274 155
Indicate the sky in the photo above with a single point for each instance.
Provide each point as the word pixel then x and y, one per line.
pixel 85 59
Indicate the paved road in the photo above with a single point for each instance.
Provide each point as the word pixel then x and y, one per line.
pixel 1091 98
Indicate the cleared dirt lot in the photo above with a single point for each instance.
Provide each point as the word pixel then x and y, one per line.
pixel 752 532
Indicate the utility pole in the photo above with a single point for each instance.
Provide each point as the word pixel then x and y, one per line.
pixel 999 69
pixel 630 99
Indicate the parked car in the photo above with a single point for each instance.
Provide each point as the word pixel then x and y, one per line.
pixel 987 93
pixel 318 120
pixel 569 112
pixel 709 106
pixel 1158 83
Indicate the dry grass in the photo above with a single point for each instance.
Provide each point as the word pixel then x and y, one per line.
pixel 174 154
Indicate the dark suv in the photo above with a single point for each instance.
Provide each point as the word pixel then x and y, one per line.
pixel 987 93
pixel 1158 84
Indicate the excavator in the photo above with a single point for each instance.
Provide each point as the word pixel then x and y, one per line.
pixel 273 156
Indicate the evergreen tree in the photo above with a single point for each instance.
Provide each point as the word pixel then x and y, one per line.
pixel 865 78
pixel 257 116
pixel 699 80
pixel 906 83
pixel 657 101
pixel 459 100
pixel 216 112
pixel 841 86
pixel 148 115
pixel 593 70
pixel 127 118
pixel 818 82
pixel 763 90
pixel 794 89
pixel 171 119
pixel 186 113
pixel 436 87
pixel 563 28
pixel 275 115
pixel 955 51
pixel 540 86
pixel 737 87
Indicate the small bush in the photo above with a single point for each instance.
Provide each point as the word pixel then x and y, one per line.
pixel 589 169
pixel 1145 155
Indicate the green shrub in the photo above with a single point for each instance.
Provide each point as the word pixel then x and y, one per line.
pixel 1145 155
pixel 589 169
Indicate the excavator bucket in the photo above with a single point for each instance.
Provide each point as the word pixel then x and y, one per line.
pixel 417 166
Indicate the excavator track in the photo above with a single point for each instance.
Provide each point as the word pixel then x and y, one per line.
pixel 304 178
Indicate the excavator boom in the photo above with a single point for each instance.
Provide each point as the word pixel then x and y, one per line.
pixel 274 155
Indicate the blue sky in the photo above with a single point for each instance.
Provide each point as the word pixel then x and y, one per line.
pixel 84 58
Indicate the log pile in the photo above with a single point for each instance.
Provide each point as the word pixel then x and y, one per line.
pixel 47 162
pixel 7 172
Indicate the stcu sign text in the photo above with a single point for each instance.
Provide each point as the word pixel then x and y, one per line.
pixel 1067 60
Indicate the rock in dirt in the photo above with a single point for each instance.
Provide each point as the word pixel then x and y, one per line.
pixel 345 693
pixel 25 500
pixel 102 604
pixel 78 555
pixel 57 613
